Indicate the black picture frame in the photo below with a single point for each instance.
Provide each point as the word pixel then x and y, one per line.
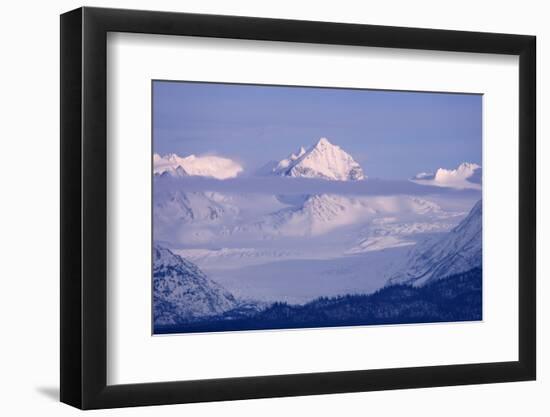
pixel 84 207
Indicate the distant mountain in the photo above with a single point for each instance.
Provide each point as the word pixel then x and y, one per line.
pixel 323 160
pixel 466 175
pixel 182 292
pixel 204 166
pixel 456 251
pixel 206 207
pixel 317 214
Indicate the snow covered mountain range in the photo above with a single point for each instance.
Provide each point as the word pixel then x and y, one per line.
pixel 205 166
pixel 323 160
pixel 225 236
pixel 181 291
pixel 458 251
pixel 184 294
pixel 320 214
pixel 187 218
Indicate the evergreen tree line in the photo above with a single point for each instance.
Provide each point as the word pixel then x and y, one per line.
pixel 454 298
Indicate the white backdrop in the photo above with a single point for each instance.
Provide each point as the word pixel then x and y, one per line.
pixel 29 213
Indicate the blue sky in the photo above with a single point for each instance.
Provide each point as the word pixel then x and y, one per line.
pixel 391 134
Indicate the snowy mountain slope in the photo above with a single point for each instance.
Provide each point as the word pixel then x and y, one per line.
pixel 191 217
pixel 181 291
pixel 376 243
pixel 207 217
pixel 257 247
pixel 385 226
pixel 401 204
pixel 284 164
pixel 457 251
pixel 466 175
pixel 194 207
pixel 205 166
pixel 213 220
pixel 394 235
pixel 318 214
pixel 271 217
pixel 323 160
pixel 402 230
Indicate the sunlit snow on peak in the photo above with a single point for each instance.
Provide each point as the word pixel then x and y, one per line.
pixel 466 175
pixel 322 160
pixel 205 166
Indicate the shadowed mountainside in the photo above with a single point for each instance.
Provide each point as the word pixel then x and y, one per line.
pixel 454 298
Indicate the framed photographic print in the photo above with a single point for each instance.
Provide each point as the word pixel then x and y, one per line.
pixel 258 207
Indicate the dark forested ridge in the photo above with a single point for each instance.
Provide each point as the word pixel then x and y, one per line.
pixel 454 298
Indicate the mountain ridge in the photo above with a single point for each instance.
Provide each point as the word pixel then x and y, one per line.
pixel 181 291
pixel 192 165
pixel 323 160
pixel 456 251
